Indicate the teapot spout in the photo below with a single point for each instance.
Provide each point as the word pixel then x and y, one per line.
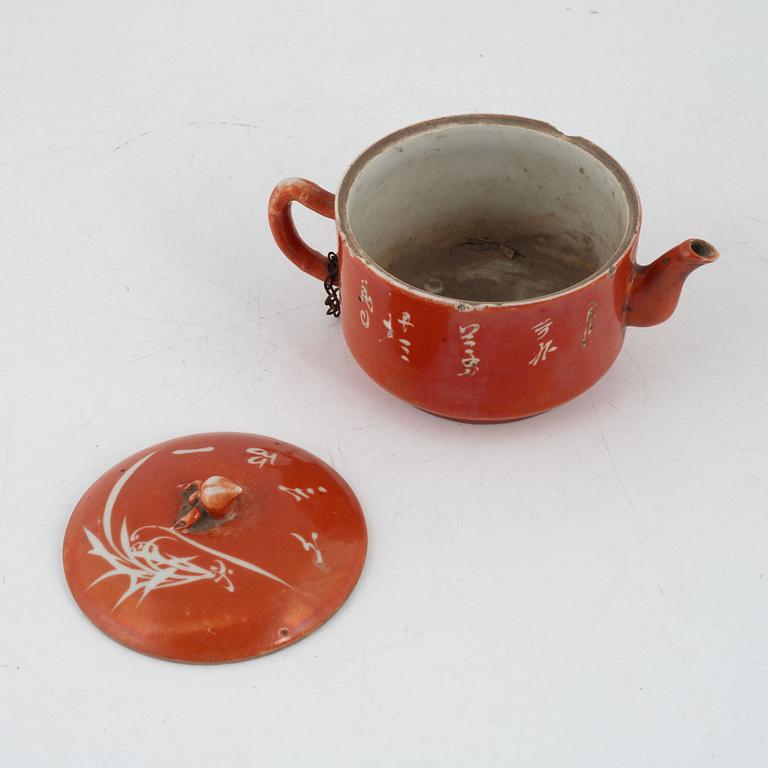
pixel 655 289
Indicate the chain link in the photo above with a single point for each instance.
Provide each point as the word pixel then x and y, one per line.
pixel 332 300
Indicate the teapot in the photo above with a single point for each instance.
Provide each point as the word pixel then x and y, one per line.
pixel 485 264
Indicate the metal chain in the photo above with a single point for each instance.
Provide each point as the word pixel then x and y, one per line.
pixel 332 300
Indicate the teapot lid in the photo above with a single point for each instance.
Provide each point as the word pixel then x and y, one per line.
pixel 214 547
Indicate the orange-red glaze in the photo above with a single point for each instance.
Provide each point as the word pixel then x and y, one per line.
pixel 486 363
pixel 296 521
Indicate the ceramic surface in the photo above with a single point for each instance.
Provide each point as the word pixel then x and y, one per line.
pixel 214 547
pixel 487 264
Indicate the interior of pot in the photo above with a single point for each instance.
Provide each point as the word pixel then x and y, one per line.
pixel 487 211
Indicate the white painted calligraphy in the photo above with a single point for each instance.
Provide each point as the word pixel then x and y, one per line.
pixel 470 362
pixel 301 493
pixel 588 324
pixel 405 323
pixel 310 546
pixel 367 302
pixel 261 456
pixel 545 347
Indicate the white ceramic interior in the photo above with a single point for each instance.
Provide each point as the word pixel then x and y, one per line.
pixel 487 208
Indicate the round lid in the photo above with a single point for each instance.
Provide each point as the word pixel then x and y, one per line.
pixel 214 547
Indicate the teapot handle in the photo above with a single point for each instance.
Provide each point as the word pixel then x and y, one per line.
pixel 283 229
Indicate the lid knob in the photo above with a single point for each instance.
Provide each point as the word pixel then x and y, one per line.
pixel 213 496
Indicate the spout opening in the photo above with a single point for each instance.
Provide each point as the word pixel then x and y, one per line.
pixel 704 250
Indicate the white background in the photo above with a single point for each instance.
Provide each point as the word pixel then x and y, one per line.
pixel 585 588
